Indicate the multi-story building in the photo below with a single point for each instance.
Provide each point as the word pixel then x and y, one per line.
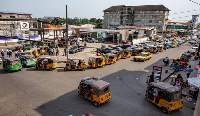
pixel 147 15
pixel 10 23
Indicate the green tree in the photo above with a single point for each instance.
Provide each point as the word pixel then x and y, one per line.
pixel 77 22
pixel 84 21
pixel 99 23
pixel 58 21
pixel 198 25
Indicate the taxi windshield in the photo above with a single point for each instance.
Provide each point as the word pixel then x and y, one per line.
pixel 143 55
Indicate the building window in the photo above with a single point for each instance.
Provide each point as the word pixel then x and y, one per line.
pixel 137 21
pixel 12 16
pixel 0 15
pixel 150 21
pixel 12 26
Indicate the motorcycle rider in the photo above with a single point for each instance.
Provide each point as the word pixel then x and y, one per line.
pixel 166 61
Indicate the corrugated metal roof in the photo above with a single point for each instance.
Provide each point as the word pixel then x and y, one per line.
pixel 20 13
pixel 114 8
pixel 138 8
pixel 150 8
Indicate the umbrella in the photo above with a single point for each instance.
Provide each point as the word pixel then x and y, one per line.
pixel 194 82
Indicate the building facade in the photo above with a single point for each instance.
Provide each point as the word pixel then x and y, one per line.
pixel 10 23
pixel 147 15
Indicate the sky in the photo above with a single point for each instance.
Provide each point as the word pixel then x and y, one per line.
pixel 180 9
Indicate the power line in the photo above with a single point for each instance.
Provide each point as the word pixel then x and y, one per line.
pixel 185 12
pixel 194 2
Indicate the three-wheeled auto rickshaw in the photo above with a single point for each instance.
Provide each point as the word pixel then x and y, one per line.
pixel 164 95
pixel 12 64
pixel 27 60
pixel 136 51
pixel 95 62
pixel 185 56
pixel 95 90
pixel 35 52
pixel 125 54
pixel 47 63
pixel 160 48
pixel 118 54
pixel 75 64
pixel 153 49
pixel 109 58
pixel 43 50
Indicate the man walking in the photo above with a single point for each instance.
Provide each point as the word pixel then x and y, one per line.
pixel 2 53
pixel 189 71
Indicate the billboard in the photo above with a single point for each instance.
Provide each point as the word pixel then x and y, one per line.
pixel 157 72
pixel 99 35
pixel 24 25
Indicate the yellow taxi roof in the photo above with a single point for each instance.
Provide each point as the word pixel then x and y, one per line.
pixel 144 52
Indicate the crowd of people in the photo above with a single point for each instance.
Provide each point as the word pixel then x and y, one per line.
pixel 8 53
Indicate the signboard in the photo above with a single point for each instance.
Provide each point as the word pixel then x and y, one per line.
pixel 157 72
pixel 24 25
pixel 99 35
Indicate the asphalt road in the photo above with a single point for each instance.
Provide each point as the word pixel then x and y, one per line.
pixel 54 93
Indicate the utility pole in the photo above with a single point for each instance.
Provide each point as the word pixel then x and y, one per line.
pixel 66 35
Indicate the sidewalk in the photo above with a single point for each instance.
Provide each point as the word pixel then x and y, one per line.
pixel 185 91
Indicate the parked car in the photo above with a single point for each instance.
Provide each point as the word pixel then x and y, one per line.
pixel 92 40
pixel 195 47
pixel 192 51
pixel 180 42
pixel 125 46
pixel 80 48
pixel 106 50
pixel 184 40
pixel 117 48
pixel 192 41
pixel 73 49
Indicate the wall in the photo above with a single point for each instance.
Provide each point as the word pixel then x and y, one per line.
pixel 136 41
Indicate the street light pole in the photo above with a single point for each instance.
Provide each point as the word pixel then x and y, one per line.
pixel 66 35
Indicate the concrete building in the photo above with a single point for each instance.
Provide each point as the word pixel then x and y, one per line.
pixel 147 15
pixel 10 23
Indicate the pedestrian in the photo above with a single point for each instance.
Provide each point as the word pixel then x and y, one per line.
pixel 57 51
pixel 16 54
pixel 54 50
pixel 189 71
pixel 178 84
pixel 7 52
pixel 2 53
pixel 64 52
pixel 151 78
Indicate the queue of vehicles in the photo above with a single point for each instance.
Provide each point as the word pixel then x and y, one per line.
pixel 167 97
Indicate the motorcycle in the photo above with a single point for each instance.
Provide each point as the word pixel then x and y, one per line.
pixel 166 62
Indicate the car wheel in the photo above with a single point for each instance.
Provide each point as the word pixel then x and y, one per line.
pixel 24 66
pixel 96 104
pixel 164 110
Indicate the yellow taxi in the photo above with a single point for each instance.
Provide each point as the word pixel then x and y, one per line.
pixel 143 56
